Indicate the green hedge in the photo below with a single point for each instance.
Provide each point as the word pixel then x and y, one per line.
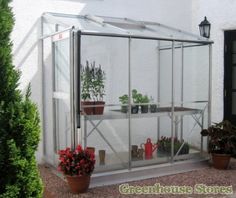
pixel 19 123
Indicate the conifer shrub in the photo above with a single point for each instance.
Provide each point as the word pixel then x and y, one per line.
pixel 19 123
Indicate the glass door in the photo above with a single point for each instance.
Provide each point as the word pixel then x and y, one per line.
pixel 64 92
pixel 230 76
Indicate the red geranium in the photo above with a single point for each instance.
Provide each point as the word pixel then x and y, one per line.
pixel 76 162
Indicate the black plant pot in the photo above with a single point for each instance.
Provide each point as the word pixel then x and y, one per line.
pixel 153 108
pixel 124 109
pixel 144 108
pixel 134 109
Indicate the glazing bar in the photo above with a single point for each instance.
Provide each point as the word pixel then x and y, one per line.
pixel 72 88
pixel 172 101
pixel 41 52
pixel 158 86
pixel 182 89
pixel 141 37
pixel 210 85
pixel 209 88
pixel 130 95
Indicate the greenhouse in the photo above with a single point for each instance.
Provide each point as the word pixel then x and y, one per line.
pixel 137 93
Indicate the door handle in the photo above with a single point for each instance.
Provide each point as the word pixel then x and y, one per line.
pixel 225 92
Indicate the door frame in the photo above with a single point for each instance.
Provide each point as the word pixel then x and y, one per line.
pixel 73 63
pixel 227 93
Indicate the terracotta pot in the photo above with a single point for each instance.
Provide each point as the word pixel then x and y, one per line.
pixel 102 154
pixel 98 110
pixel 93 109
pixel 78 184
pixel 87 110
pixel 91 149
pixel 221 161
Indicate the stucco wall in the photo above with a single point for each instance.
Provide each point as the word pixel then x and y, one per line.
pixel 27 28
pixel 222 16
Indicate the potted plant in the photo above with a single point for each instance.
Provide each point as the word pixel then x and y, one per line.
pixel 92 88
pixel 136 100
pixel 124 101
pixel 164 146
pixel 153 107
pixel 77 165
pixel 136 97
pixel 144 107
pixel 222 143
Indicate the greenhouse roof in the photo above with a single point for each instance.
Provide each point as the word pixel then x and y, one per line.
pixel 121 27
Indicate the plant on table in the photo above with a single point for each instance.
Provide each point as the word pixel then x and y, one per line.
pixel 136 97
pixel 153 107
pixel 124 101
pixel 92 88
pixel 144 107
pixel 164 146
pixel 222 143
pixel 77 165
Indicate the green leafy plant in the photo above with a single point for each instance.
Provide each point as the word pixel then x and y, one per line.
pixel 93 82
pixel 124 99
pixel 144 99
pixel 19 121
pixel 222 138
pixel 164 146
pixel 137 97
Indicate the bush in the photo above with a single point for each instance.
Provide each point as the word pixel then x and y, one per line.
pixel 19 121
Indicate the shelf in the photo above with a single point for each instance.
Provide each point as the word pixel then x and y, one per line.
pixel 112 163
pixel 161 111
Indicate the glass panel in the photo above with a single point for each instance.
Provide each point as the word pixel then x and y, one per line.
pixel 234 47
pixel 234 58
pixel 150 76
pixel 86 25
pixel 48 102
pixel 234 103
pixel 234 77
pixel 126 27
pixel 61 93
pixel 196 73
pixel 108 131
pixel 189 143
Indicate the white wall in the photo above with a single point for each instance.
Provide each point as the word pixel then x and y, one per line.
pixel 27 28
pixel 222 16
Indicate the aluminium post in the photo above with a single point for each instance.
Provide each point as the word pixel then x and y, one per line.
pixel 130 95
pixel 172 101
pixel 182 88
pixel 158 86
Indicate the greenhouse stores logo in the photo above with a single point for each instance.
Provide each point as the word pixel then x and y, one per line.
pixel 157 188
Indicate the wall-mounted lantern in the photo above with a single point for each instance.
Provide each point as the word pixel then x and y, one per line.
pixel 205 28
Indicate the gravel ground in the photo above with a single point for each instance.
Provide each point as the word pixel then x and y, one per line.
pixel 55 187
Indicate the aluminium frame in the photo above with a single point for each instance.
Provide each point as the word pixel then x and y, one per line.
pixel 75 101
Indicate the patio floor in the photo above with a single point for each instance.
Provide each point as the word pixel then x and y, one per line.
pixel 55 187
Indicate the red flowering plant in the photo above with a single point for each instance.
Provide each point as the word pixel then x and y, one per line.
pixel 76 162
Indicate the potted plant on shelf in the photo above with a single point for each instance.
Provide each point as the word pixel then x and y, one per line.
pixel 136 100
pixel 136 97
pixel 153 107
pixel 144 107
pixel 92 88
pixel 124 101
pixel 77 165
pixel 222 143
pixel 164 146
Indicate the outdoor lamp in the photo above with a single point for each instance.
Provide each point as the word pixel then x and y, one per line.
pixel 205 28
